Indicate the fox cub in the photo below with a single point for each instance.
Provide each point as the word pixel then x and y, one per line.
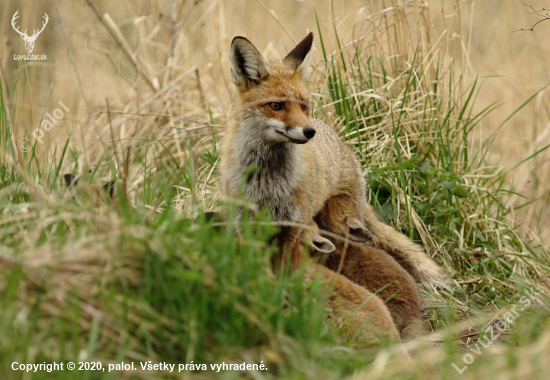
pixel 366 317
pixel 297 162
pixel 370 268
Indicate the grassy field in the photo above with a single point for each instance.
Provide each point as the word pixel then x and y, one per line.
pixel 445 106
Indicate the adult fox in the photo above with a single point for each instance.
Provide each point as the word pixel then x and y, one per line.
pixel 299 162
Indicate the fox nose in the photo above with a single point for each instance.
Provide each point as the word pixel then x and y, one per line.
pixel 309 132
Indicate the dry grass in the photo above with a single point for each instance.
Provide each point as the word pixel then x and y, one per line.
pixel 515 64
pixel 135 45
pixel 149 93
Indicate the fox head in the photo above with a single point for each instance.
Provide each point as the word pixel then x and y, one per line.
pixel 274 99
pixel 340 217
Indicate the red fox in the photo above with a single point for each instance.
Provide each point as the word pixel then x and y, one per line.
pixel 370 268
pixel 298 162
pixel 366 317
pixel 340 217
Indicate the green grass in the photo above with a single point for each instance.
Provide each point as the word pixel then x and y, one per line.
pixel 121 284
pixel 432 180
pixel 165 289
pixel 126 283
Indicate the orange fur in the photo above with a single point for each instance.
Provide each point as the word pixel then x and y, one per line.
pixel 367 318
pixel 300 162
pixel 372 268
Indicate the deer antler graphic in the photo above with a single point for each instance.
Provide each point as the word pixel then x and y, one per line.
pixel 29 41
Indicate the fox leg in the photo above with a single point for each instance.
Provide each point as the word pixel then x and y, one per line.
pixel 290 246
pixel 293 247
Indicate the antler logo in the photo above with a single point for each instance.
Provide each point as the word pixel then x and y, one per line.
pixel 29 41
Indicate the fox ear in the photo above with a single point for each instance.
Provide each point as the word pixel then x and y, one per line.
pixel 322 244
pixel 248 67
pixel 357 231
pixel 299 58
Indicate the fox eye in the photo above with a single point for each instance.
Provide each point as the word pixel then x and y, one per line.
pixel 275 106
pixel 305 107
